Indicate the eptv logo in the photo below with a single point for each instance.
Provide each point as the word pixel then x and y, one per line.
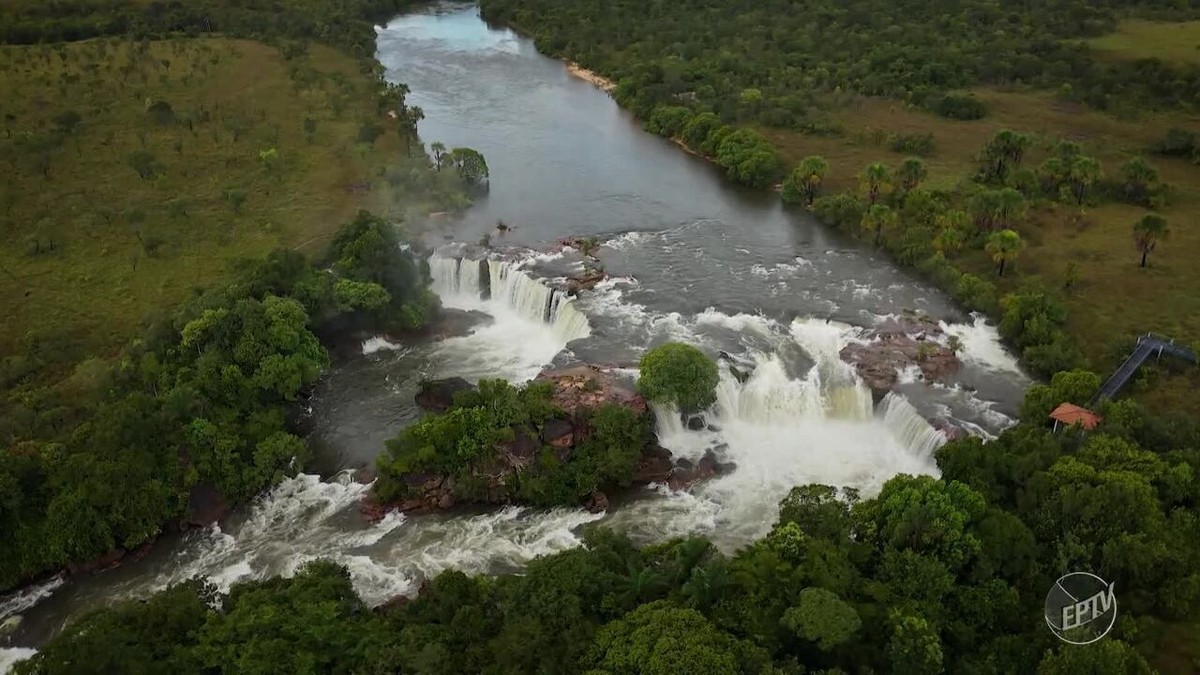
pixel 1081 608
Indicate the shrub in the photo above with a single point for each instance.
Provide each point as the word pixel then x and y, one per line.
pixel 680 374
pixel 912 144
pixel 844 210
pixel 959 107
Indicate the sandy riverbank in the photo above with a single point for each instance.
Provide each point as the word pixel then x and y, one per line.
pixel 585 74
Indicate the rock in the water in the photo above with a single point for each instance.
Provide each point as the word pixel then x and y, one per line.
pixel 896 344
pixel 589 387
pixel 696 422
pixel 585 281
pixel 655 467
pixel 448 323
pixel 597 502
pixel 438 395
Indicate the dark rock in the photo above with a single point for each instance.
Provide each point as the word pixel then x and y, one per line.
pixel 103 562
pixel 655 466
pixel 597 502
pixel 696 422
pixel 205 506
pixel 559 432
pixel 685 475
pixel 585 281
pixel 438 395
pixel 521 451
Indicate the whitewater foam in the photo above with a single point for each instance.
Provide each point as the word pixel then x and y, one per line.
pixel 9 656
pixel 378 344
pixel 981 345
pixel 20 600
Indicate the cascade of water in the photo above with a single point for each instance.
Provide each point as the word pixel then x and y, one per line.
pixel 460 283
pixel 908 427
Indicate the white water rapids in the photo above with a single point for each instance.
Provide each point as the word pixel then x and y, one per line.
pixel 784 425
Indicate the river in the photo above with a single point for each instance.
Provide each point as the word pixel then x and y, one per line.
pixel 690 257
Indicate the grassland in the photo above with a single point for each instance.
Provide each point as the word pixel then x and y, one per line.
pixel 135 172
pixel 1139 39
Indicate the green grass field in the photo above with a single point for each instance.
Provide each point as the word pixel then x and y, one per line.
pixel 1139 39
pixel 124 166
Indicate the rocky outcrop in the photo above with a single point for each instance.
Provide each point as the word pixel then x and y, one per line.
pixel 897 344
pixel 449 323
pixel 585 281
pixel 589 387
pixel 205 506
pixel 438 395
pixel 576 391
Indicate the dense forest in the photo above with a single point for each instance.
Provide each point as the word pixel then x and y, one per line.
pixel 771 62
pixel 200 403
pixel 932 575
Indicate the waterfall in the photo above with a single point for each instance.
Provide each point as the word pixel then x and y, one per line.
pixel 908 427
pixel 460 282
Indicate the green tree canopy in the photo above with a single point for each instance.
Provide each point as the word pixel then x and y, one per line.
pixel 678 374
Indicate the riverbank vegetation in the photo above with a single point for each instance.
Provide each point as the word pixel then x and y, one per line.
pixel 198 405
pixel 932 575
pixel 168 190
pixel 1105 132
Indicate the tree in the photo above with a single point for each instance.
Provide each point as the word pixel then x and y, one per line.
pixel 914 647
pixel 804 182
pixel 1082 173
pixel 911 172
pixel 236 197
pixel 439 154
pixel 1137 180
pixel 1003 247
pixel 822 617
pixel 1147 232
pixel 1003 154
pixel 145 164
pixel 661 639
pixel 678 374
pixel 874 178
pixel 470 164
pixel 1010 207
pixel 67 121
pixel 878 218
pixel 985 209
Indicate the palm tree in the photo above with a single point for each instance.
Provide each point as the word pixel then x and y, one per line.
pixel 874 178
pixel 812 170
pixel 1137 176
pixel 1148 231
pixel 911 173
pixel 439 154
pixel 878 218
pixel 1004 246
pixel 985 209
pixel 1082 173
pixel 949 241
pixel 1010 206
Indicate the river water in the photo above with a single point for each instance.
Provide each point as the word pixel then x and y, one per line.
pixel 690 257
